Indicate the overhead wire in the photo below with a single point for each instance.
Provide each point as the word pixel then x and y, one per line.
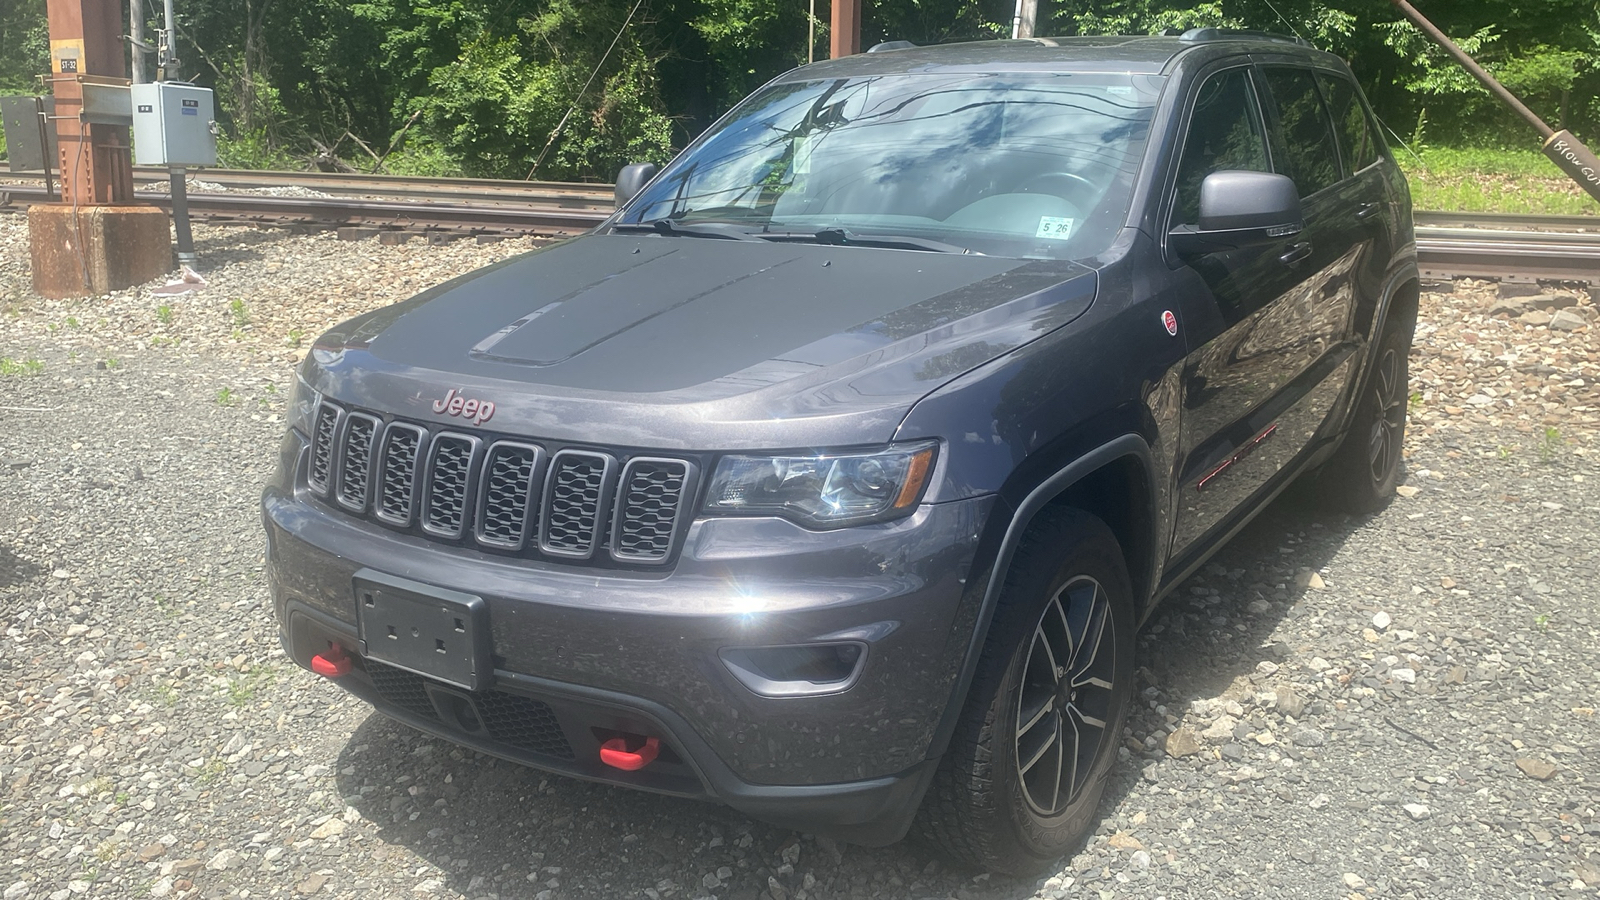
pixel 560 126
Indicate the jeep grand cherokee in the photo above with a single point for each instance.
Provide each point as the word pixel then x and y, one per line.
pixel 831 476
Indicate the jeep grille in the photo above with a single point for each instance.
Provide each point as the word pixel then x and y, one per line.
pixel 516 496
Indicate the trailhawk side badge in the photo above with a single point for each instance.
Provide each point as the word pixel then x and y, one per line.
pixel 1171 321
pixel 454 404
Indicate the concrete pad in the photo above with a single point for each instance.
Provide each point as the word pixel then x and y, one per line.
pixel 96 249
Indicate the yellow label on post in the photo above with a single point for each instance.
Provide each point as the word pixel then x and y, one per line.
pixel 66 57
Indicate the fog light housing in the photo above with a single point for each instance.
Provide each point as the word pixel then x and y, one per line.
pixel 797 670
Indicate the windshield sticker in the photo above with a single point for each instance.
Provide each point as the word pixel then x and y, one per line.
pixel 1055 228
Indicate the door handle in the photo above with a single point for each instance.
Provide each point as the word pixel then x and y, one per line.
pixel 1369 211
pixel 1296 254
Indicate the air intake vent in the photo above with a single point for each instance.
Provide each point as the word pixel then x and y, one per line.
pixel 326 428
pixel 355 466
pixel 649 508
pixel 576 496
pixel 450 474
pixel 511 475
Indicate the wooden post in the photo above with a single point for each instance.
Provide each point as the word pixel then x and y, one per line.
pixel 845 37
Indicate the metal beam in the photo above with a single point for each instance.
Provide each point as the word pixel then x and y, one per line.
pixel 844 39
pixel 1563 149
pixel 85 47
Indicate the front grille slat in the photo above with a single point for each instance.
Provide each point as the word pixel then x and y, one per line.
pixel 508 508
pixel 650 499
pixel 319 474
pixel 355 460
pixel 511 496
pixel 451 460
pixel 577 495
pixel 397 486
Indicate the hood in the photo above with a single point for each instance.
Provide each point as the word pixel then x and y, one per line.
pixel 697 343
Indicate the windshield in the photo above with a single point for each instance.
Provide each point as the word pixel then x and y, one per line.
pixel 1021 165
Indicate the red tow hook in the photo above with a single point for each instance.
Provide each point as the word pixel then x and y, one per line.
pixel 615 753
pixel 331 663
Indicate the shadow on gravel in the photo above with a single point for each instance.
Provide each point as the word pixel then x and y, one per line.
pixel 14 570
pixel 496 826
pixel 232 245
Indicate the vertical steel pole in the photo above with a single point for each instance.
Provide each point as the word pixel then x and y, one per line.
pixel 811 33
pixel 94 160
pixel 845 39
pixel 136 43
pixel 1025 20
pixel 45 150
pixel 180 218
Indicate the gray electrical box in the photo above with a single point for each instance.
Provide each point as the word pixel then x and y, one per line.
pixel 173 125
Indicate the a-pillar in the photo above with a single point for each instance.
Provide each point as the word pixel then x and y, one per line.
pixel 96 240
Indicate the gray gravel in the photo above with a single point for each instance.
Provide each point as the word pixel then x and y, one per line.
pixel 1398 706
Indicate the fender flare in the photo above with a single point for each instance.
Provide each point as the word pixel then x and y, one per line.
pixel 1405 272
pixel 1128 445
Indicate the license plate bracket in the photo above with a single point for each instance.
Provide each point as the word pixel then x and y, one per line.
pixel 430 631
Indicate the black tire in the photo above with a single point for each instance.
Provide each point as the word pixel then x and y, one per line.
pixel 995 802
pixel 1364 471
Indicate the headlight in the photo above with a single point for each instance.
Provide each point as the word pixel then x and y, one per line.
pixel 824 491
pixel 302 405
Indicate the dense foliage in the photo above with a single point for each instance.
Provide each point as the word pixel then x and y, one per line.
pixel 568 89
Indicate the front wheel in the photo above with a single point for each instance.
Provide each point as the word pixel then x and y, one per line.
pixel 1021 782
pixel 1362 475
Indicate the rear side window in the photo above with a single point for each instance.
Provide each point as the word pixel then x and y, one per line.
pixel 1224 133
pixel 1303 146
pixel 1355 132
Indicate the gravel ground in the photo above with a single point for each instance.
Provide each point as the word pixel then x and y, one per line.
pixel 1394 706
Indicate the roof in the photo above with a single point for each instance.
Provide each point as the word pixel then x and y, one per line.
pixel 1149 55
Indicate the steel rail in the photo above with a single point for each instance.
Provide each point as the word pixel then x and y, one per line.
pixel 232 206
pixel 1444 252
pixel 553 193
pixel 1508 221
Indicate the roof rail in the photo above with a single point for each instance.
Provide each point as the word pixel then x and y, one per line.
pixel 890 45
pixel 1203 35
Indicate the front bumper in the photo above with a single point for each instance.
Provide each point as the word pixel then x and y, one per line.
pixel 584 653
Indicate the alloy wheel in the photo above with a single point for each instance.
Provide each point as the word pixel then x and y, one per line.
pixel 1064 704
pixel 1388 428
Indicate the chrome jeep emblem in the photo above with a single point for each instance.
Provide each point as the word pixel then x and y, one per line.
pixel 454 404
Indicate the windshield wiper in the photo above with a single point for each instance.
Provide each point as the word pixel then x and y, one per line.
pixel 842 237
pixel 729 230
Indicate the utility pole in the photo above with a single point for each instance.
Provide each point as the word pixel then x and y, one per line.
pixel 1566 151
pixel 1027 16
pixel 95 240
pixel 845 37
pixel 137 47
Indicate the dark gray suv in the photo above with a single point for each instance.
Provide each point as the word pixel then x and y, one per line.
pixel 831 477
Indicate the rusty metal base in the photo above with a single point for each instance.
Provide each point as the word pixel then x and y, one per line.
pixel 96 249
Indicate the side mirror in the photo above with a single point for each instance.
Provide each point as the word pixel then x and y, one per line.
pixel 1240 209
pixel 631 180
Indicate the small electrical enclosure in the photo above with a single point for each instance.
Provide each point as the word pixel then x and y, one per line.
pixel 173 125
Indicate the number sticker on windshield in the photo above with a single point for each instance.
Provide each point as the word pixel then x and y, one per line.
pixel 1055 228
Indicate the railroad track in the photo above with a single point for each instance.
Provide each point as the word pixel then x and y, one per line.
pixel 1450 245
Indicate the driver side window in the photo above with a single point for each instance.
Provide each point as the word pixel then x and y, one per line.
pixel 1225 132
